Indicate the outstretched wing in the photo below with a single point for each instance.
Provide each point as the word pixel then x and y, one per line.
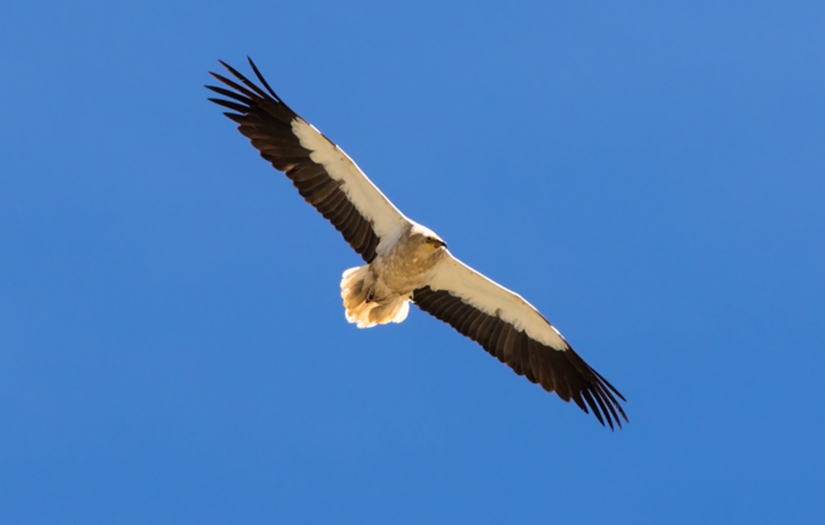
pixel 509 328
pixel 324 175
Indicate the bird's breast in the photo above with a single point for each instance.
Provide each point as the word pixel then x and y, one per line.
pixel 400 271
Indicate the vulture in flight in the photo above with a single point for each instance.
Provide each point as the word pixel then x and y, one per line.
pixel 405 261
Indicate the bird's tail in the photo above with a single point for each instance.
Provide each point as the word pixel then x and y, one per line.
pixel 364 310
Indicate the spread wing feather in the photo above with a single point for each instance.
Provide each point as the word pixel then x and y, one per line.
pixel 324 175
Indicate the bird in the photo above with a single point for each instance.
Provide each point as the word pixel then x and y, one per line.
pixel 406 261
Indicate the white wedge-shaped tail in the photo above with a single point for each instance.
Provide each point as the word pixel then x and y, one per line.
pixel 366 311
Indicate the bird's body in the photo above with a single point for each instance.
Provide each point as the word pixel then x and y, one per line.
pixel 380 292
pixel 407 262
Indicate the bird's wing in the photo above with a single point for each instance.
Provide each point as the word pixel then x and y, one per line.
pixel 509 328
pixel 324 175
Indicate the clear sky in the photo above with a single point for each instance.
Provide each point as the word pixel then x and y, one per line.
pixel 173 347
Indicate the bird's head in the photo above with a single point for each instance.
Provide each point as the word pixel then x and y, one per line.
pixel 433 243
pixel 426 239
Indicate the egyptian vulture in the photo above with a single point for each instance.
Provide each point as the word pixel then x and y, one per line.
pixel 406 261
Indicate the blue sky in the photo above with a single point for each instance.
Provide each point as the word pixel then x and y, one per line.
pixel 172 344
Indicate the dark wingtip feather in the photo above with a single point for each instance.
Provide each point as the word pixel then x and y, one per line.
pixel 608 390
pixel 596 412
pixel 246 81
pixel 262 79
pixel 231 105
pixel 230 94
pixel 238 119
pixel 611 387
pixel 235 85
pixel 607 402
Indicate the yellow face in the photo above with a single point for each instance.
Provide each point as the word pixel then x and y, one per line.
pixel 431 244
